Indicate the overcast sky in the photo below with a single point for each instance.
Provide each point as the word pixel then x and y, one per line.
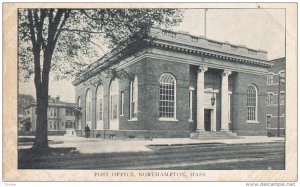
pixel 255 28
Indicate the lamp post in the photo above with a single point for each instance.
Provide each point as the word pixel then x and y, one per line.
pixel 213 98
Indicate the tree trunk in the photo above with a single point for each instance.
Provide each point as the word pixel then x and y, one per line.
pixel 41 137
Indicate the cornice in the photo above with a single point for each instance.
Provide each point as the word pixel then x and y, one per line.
pixel 177 47
pixel 167 45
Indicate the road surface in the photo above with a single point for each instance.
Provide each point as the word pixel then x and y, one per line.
pixel 212 156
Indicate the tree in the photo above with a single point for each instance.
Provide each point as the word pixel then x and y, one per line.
pixel 61 40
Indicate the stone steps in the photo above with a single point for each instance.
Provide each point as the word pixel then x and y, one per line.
pixel 213 135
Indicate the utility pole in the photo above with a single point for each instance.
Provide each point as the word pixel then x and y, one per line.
pixel 278 110
pixel 205 10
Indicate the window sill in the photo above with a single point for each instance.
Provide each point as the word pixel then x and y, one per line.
pixel 252 122
pixel 122 115
pixel 167 119
pixel 133 119
pixel 190 120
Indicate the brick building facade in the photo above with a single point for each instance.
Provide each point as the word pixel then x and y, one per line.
pixel 276 98
pixel 183 85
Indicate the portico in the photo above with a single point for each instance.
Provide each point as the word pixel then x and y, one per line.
pixel 207 104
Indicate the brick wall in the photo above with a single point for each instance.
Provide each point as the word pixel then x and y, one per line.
pixel 239 109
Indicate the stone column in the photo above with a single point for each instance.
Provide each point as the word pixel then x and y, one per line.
pixel 200 98
pixel 225 101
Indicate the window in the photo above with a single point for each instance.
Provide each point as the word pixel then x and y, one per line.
pixel 54 125
pixel 270 99
pixel 122 103
pixel 251 103
pixel 133 98
pixel 50 124
pixel 229 107
pixel 269 121
pixel 69 112
pixel 51 112
pixel 114 99
pixel 282 98
pixel 99 107
pixel 62 123
pixel 88 106
pixel 79 117
pixel 167 96
pixel 191 105
pixel 270 79
pixel 55 112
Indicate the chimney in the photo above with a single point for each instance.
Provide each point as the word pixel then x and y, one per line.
pixel 57 98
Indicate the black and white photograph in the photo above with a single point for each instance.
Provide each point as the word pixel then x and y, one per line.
pixel 143 93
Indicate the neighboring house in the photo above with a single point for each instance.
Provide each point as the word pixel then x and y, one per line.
pixel 182 86
pixel 61 115
pixel 275 114
pixel 23 101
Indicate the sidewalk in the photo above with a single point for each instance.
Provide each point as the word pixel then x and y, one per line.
pixel 96 145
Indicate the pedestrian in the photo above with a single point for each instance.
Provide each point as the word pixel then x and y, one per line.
pixel 87 131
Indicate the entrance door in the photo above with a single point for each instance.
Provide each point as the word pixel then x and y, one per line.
pixel 207 119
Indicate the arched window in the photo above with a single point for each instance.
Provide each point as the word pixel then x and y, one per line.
pixel 270 78
pixel 252 103
pixel 282 74
pixel 133 98
pixel 114 89
pixel 88 107
pixel 99 106
pixel 167 96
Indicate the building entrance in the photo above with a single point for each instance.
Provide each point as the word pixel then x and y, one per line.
pixel 207 119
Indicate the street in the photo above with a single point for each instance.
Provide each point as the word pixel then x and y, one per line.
pixel 205 156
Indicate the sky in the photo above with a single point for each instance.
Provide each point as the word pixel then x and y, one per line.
pixel 255 28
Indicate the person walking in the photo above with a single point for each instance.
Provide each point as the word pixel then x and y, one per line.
pixel 87 131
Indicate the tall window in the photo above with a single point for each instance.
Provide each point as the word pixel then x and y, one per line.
pixel 167 96
pixel 114 99
pixel 229 106
pixel 251 103
pixel 79 117
pixel 133 98
pixel 191 105
pixel 122 103
pixel 282 98
pixel 99 107
pixel 270 78
pixel 269 121
pixel 88 106
pixel 270 98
